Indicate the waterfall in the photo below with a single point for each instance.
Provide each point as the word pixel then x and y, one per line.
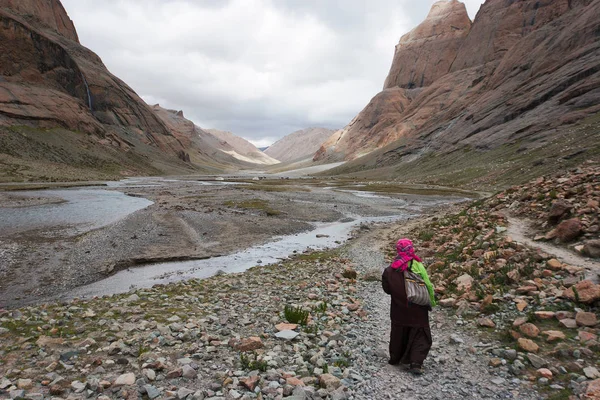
pixel 87 88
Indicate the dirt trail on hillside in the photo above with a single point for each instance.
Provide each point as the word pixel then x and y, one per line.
pixel 457 367
pixel 518 229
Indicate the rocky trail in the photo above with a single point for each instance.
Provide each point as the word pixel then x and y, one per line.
pixel 457 367
pixel 519 230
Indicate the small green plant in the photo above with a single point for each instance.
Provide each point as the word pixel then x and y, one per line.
pixel 325 368
pixel 491 309
pixel 311 329
pixel 342 362
pixel 321 308
pixel 251 363
pixel 564 394
pixel 426 235
pixel 296 315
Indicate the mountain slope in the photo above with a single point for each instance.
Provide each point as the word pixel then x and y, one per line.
pixel 299 145
pixel 519 77
pixel 242 149
pixel 56 89
pixel 211 150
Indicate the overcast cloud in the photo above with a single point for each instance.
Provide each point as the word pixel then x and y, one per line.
pixel 258 68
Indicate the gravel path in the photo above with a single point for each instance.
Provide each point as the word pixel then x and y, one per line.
pixel 518 230
pixel 457 367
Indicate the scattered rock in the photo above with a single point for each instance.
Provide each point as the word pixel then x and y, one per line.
pixel 287 335
pixel 586 319
pixel 528 345
pixel 125 380
pixel 529 330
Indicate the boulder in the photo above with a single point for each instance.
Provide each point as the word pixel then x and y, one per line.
pixel 464 282
pixel 559 209
pixel 329 382
pixel 593 390
pixel 125 380
pixel 586 319
pixel 569 230
pixel 529 330
pixel 591 248
pixel 554 336
pixel 486 322
pixel 568 323
pixel 587 292
pixel 528 345
pixel 544 373
pixel 249 344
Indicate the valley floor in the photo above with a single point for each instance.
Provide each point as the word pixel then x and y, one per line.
pixel 185 219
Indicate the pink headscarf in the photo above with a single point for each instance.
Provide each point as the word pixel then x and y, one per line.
pixel 406 253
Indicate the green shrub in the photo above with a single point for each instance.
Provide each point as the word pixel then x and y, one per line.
pixel 296 315
pixel 252 363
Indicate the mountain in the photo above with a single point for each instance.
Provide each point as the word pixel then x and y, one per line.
pixel 212 149
pixel 299 145
pixel 242 149
pixel 482 100
pixel 63 115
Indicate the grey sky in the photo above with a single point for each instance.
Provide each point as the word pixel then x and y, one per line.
pixel 258 68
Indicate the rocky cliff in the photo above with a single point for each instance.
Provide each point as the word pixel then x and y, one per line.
pixel 49 80
pixel 299 145
pixel 521 75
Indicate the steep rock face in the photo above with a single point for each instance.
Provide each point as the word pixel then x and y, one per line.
pixel 363 134
pixel 242 149
pixel 50 80
pixel 299 145
pixel 427 52
pixel 47 13
pixel 508 85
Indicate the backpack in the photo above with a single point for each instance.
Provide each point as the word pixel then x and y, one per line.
pixel 416 291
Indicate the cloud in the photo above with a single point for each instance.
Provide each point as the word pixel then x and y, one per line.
pixel 258 68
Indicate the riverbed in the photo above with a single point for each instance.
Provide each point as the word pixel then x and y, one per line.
pixel 146 231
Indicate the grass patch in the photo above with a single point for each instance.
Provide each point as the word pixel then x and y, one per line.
pixel 251 363
pixel 273 188
pixel 254 204
pixel 296 315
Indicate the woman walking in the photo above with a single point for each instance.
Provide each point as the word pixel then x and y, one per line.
pixel 410 340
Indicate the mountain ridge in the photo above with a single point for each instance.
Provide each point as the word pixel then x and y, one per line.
pixel 528 88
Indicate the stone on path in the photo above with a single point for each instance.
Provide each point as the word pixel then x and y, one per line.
pixel 329 382
pixel 287 335
pixel 125 380
pixel 250 344
pixel 286 327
